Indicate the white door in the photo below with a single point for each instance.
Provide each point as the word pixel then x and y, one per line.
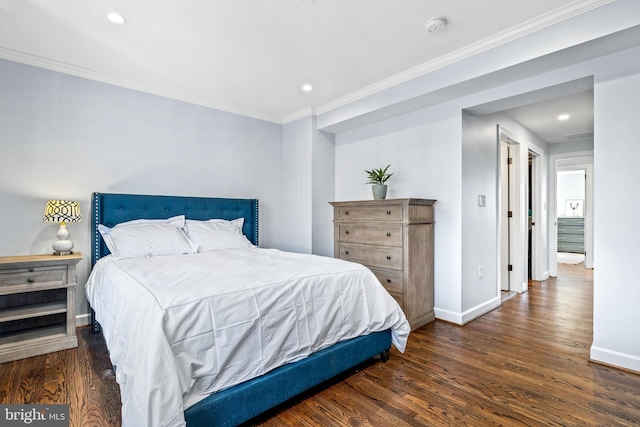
pixel 505 218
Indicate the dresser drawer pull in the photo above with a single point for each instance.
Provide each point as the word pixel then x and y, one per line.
pixel 388 280
pixel 31 270
pixel 346 252
pixel 346 212
pixel 388 212
pixel 346 232
pixel 31 280
pixel 388 256
pixel 388 234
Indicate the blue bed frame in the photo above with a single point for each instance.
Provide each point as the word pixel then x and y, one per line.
pixel 237 404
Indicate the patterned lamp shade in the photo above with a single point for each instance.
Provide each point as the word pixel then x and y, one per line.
pixel 62 211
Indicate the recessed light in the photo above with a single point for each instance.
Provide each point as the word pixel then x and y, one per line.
pixel 307 87
pixel 563 117
pixel 308 1
pixel 116 18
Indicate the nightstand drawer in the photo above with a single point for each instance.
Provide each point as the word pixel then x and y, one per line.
pixel 370 213
pixel 372 256
pixel 32 279
pixel 390 279
pixel 387 235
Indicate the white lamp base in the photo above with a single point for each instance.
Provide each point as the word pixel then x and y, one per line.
pixel 63 245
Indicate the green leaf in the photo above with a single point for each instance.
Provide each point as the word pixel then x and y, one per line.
pixel 378 176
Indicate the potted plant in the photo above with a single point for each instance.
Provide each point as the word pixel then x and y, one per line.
pixel 378 177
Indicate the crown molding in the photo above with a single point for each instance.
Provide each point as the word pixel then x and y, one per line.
pixel 306 112
pixel 568 11
pixel 555 16
pixel 60 67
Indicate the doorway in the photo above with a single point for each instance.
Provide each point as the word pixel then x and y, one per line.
pixel 521 223
pixel 565 163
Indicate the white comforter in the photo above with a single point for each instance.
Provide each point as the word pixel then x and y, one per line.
pixel 181 327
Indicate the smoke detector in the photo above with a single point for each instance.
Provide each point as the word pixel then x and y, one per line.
pixel 436 24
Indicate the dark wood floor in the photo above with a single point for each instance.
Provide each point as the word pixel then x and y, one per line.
pixel 524 364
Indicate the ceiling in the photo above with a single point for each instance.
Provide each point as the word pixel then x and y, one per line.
pixel 251 57
pixel 541 118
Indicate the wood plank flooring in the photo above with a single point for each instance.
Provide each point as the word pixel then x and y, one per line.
pixel 523 364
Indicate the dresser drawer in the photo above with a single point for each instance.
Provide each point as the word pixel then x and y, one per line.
pixel 571 247
pixel 571 238
pixel 390 279
pixel 370 213
pixel 386 235
pixel 570 229
pixel 372 256
pixel 32 278
pixel 571 221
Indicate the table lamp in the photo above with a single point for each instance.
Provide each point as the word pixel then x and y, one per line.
pixel 62 211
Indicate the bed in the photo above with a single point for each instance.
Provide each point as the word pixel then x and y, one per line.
pixel 121 286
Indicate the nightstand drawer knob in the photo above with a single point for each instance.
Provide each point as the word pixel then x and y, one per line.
pixel 346 232
pixel 388 212
pixel 388 280
pixel 388 234
pixel 346 212
pixel 346 252
pixel 388 256
pixel 31 280
pixel 31 270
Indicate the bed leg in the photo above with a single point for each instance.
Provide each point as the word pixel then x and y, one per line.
pixel 95 326
pixel 385 356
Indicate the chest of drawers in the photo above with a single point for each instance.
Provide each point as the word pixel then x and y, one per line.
pixel 37 305
pixel 394 239
pixel 571 234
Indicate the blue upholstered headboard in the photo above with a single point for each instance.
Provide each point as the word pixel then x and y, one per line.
pixel 111 209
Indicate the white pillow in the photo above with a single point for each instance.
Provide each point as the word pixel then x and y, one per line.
pixel 146 238
pixel 217 234
pixel 235 223
pixel 178 221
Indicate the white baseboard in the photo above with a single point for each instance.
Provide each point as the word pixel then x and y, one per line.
pixel 469 315
pixel 615 358
pixel 448 316
pixel 83 319
pixel 479 310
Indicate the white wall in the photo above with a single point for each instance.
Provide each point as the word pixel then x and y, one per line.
pixel 616 289
pixel 479 224
pixel 297 157
pixel 66 137
pixel 571 186
pixel 480 171
pixel 308 184
pixel 323 190
pixel 424 151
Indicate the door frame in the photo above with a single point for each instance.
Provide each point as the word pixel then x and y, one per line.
pixel 571 161
pixel 517 239
pixel 519 236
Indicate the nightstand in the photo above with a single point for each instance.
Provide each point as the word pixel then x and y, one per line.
pixel 37 305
